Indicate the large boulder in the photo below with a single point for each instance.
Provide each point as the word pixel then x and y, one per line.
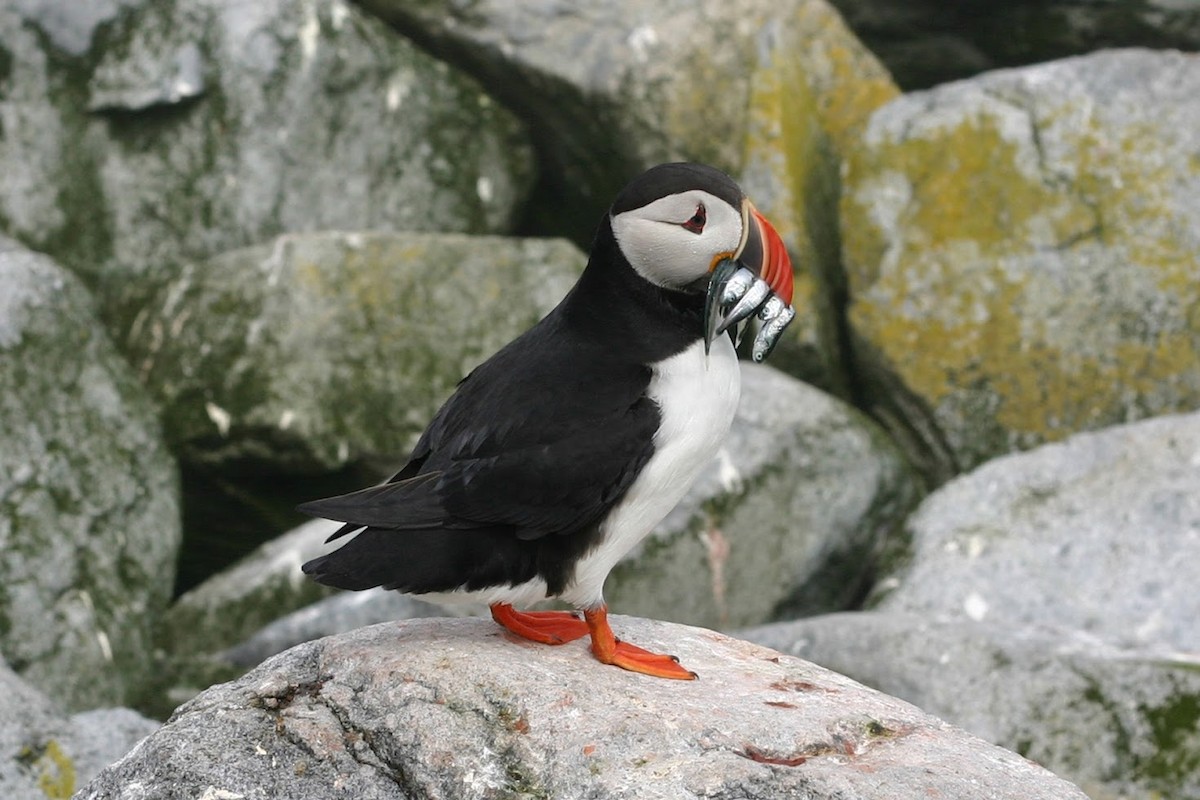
pixel 771 92
pixel 1117 722
pixel 315 350
pixel 458 709
pixel 46 755
pixel 1099 533
pixel 186 129
pixel 1022 252
pixel 89 507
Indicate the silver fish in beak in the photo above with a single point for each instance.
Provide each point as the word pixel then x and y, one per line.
pixel 757 279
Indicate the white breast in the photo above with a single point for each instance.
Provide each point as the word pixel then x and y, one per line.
pixel 697 396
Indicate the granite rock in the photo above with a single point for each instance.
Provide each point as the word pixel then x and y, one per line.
pixel 89 505
pixel 457 709
pixel 1022 254
pixel 1099 533
pixel 1119 722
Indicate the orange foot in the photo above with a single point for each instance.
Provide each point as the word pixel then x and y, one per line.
pixel 547 627
pixel 608 650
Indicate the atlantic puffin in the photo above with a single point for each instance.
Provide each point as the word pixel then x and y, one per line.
pixel 557 455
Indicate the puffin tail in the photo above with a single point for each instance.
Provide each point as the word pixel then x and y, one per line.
pixel 419 561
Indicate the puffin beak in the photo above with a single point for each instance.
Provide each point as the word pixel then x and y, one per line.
pixel 756 278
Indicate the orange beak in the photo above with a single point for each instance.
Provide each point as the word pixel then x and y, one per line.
pixel 763 253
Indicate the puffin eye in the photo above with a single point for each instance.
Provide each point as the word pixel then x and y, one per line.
pixel 696 223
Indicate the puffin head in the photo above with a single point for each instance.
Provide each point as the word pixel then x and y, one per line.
pixel 689 228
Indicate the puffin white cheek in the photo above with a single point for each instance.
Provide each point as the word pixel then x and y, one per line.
pixel 664 254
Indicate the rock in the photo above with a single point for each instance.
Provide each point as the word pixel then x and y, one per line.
pixel 94 739
pixel 926 42
pixel 263 586
pixel 786 520
pixel 319 349
pixel 193 128
pixel 440 708
pixel 257 608
pixel 341 613
pixel 1119 723
pixel 1022 253
pixel 44 754
pixel 1100 533
pixel 68 25
pixel 89 514
pixel 770 92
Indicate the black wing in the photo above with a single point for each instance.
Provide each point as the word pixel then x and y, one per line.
pixel 541 440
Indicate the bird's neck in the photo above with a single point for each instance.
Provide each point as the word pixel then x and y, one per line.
pixel 612 301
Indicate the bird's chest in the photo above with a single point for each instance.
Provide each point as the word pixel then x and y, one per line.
pixel 697 396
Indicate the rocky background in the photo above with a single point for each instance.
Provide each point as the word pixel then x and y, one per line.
pixel 246 249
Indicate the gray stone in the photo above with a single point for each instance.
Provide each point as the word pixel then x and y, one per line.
pixel 320 349
pixel 259 607
pixel 233 604
pixel 44 754
pixel 1022 253
pixel 1099 533
pixel 89 509
pixel 245 613
pixel 772 92
pixel 786 520
pixel 458 709
pixel 193 128
pixel 95 739
pixel 341 613
pixel 1119 723
pixel 68 24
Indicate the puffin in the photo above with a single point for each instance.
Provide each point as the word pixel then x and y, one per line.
pixel 557 455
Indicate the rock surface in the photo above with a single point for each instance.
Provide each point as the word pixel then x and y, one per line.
pixel 457 709
pixel 44 755
pixel 261 587
pixel 318 349
pixel 1022 250
pixel 1099 533
pixel 192 128
pixel 1119 723
pixel 89 508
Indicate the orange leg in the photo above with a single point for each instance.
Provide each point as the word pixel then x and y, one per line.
pixel 547 627
pixel 608 650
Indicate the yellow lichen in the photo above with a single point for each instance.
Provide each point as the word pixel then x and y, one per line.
pixel 811 94
pixel 949 288
pixel 55 772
